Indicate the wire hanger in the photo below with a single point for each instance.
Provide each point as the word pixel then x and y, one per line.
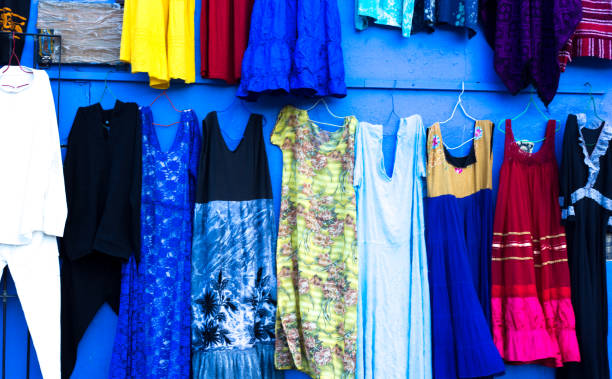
pixel 322 100
pixel 459 103
pixel 593 101
pixel 529 104
pixel 163 93
pixel 392 105
pixel 27 70
pixel 107 88
pixel 240 101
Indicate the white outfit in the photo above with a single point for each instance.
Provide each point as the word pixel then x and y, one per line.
pixel 33 205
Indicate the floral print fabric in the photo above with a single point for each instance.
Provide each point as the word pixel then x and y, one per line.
pixel 316 250
pixel 397 13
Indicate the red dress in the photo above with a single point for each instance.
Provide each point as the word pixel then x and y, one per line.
pixel 532 313
pixel 224 34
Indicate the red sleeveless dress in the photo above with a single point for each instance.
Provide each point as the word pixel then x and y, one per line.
pixel 532 313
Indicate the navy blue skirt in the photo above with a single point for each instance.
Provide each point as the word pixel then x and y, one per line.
pixel 458 236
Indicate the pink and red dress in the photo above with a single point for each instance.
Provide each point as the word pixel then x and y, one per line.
pixel 532 313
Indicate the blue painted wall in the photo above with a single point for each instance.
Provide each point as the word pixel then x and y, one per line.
pixel 426 70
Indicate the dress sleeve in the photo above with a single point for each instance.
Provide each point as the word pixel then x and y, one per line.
pixel 565 175
pixel 55 207
pixel 281 127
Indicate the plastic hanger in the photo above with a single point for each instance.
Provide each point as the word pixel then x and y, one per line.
pixel 529 104
pixel 322 100
pixel 106 88
pixel 459 103
pixel 163 93
pixel 27 70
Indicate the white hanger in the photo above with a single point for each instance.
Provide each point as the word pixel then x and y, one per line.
pixel 322 100
pixel 459 103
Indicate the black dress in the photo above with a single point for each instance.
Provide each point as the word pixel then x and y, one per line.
pixel 586 201
pixel 102 171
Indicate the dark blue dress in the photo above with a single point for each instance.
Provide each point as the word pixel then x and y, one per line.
pixel 153 329
pixel 295 46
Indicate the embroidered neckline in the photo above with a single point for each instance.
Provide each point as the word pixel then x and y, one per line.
pixel 601 146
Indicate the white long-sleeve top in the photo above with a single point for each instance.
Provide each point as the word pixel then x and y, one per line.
pixel 32 194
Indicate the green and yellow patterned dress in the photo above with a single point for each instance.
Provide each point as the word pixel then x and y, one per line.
pixel 316 322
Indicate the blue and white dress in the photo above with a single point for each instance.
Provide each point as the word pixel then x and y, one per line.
pixel 233 282
pixel 153 329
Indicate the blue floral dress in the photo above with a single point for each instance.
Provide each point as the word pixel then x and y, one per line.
pixel 153 329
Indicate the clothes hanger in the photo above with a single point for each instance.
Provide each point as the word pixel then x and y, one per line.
pixel 459 103
pixel 27 70
pixel 593 101
pixel 164 93
pixel 529 104
pixel 322 100
pixel 392 105
pixel 240 101
pixel 107 88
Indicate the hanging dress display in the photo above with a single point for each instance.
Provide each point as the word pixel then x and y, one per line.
pixel 394 312
pixel 158 39
pixel 459 222
pixel 224 34
pixel 152 338
pixel 526 48
pixel 383 12
pixel 33 209
pixel 295 46
pixel 533 317
pixel 233 282
pixel 316 321
pixel 102 174
pixel 456 13
pixel 593 36
pixel 586 201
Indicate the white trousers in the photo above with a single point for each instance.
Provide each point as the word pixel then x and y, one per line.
pixel 35 270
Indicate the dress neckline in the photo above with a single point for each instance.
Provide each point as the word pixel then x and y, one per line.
pixel 546 150
pixel 148 115
pixel 244 136
pixel 461 161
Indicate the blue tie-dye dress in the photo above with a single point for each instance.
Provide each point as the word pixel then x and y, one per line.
pixel 233 282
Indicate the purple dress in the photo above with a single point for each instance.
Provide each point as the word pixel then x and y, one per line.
pixel 527 36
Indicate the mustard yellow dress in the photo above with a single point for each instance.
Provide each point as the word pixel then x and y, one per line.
pixel 158 38
pixel 316 324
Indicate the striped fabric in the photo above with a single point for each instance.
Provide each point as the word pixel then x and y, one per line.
pixel 593 37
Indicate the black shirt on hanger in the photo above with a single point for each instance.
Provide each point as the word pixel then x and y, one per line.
pixel 102 171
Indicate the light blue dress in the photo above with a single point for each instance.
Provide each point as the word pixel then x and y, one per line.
pixel 394 327
pixel 396 13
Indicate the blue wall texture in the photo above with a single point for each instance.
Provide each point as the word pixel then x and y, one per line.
pixel 422 74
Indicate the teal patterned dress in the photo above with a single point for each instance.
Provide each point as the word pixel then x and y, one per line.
pixel 396 13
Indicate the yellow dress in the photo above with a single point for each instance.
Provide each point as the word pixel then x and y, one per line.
pixel 316 319
pixel 158 38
